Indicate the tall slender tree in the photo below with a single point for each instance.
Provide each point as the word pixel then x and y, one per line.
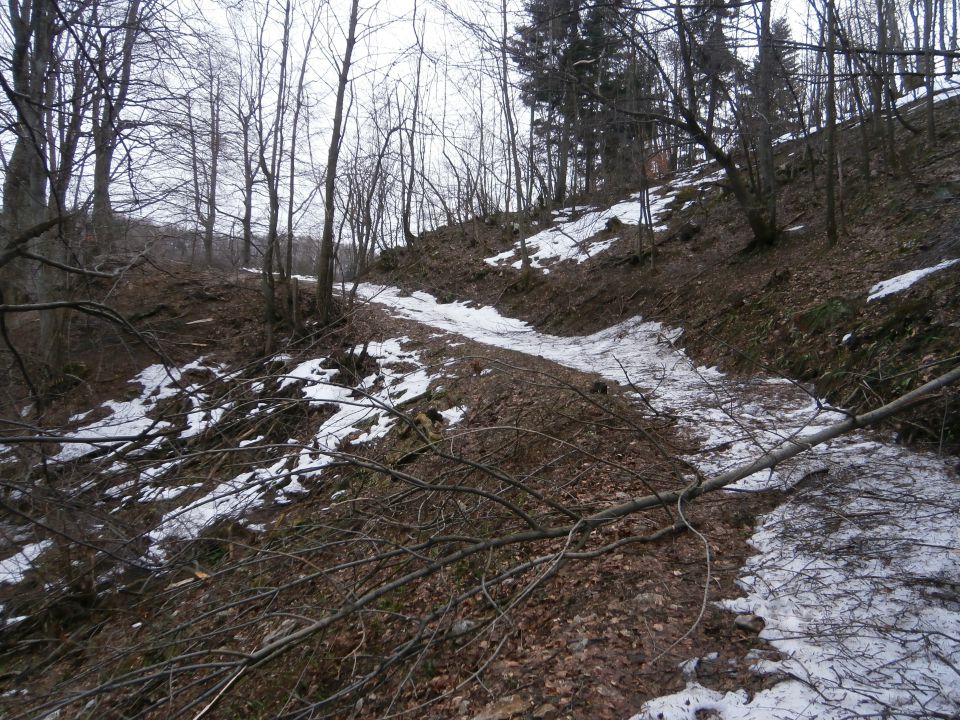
pixel 325 263
pixel 119 29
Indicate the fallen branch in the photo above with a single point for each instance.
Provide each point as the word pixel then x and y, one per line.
pixel 387 564
pixel 790 449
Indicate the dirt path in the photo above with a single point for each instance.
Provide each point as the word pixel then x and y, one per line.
pixel 856 575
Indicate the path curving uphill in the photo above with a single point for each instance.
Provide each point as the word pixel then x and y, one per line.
pixel 855 576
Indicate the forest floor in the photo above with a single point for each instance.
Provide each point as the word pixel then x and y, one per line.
pixel 136 573
pixel 605 634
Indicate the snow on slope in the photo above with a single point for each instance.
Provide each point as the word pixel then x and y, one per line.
pixel 129 417
pixel 579 238
pixel 13 568
pixel 902 282
pixel 575 238
pixel 944 88
pixel 716 409
pixel 855 577
pixel 363 413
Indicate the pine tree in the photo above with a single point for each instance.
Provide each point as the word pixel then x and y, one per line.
pixel 580 72
pixel 785 83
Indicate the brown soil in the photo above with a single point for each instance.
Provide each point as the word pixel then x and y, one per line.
pixel 178 314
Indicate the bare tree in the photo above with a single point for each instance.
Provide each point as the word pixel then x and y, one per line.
pixel 206 129
pixel 767 189
pixel 325 263
pixel 244 112
pixel 48 86
pixel 292 296
pixel 270 127
pixel 507 99
pixel 33 27
pixel 831 131
pixel 114 65
pixel 410 157
pixel 929 68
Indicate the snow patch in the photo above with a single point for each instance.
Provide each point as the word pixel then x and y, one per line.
pixel 902 282
pixel 454 415
pixel 13 568
pixel 362 414
pixel 576 240
pixel 128 418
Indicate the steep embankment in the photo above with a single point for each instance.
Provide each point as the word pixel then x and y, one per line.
pixel 376 487
pixel 802 308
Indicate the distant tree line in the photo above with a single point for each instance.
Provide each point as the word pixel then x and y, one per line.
pixel 616 89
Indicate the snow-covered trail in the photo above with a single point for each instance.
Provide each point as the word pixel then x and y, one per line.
pixel 856 577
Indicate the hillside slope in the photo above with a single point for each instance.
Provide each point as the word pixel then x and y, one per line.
pixel 213 502
pixel 800 308
pixel 436 510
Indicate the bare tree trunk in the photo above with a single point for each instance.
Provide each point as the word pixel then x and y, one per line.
pixel 880 80
pixel 929 68
pixel 953 38
pixel 767 169
pixel 192 133
pixel 686 61
pixel 214 99
pixel 563 158
pixel 292 287
pixel 249 170
pixel 531 161
pixel 205 169
pixel 25 183
pixel 111 102
pixel 512 143
pixel 408 235
pixel 270 167
pixel 897 43
pixel 25 180
pixel 855 64
pixel 325 274
pixel 831 132
pixel 645 227
pixel 63 132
